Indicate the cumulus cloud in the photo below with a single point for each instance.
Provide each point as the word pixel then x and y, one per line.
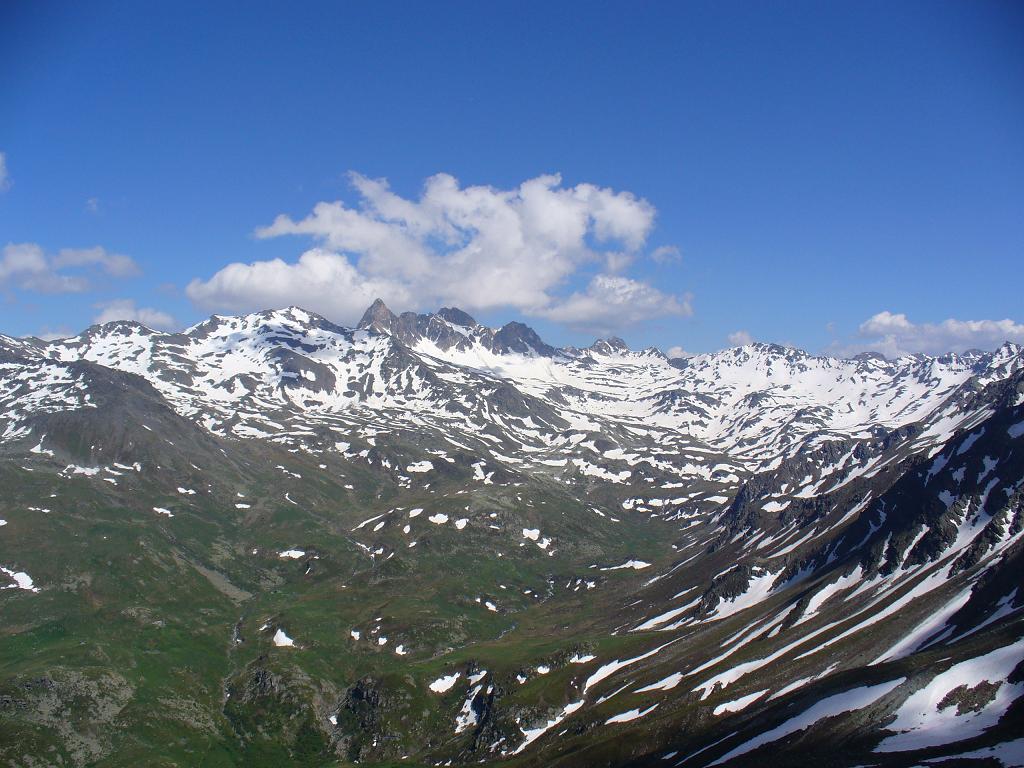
pixel 677 351
pixel 28 267
pixel 476 247
pixel 125 309
pixel 5 178
pixel 893 335
pixel 740 338
pixel 616 300
pixel 322 281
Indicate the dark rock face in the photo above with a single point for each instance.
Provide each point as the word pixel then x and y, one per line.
pixel 726 586
pixel 456 316
pixel 379 317
pixel 262 683
pixel 610 345
pixel 360 715
pixel 364 701
pixel 488 730
pixel 516 337
pixel 970 699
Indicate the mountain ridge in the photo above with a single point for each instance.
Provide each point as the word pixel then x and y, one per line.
pixel 405 326
pixel 443 548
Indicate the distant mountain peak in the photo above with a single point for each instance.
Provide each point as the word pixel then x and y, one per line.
pixel 609 345
pixel 451 327
pixel 521 338
pixel 869 356
pixel 378 316
pixel 456 316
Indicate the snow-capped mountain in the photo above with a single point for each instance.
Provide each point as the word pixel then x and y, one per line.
pixel 758 405
pixel 562 556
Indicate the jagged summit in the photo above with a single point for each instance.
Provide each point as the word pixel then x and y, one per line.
pixel 456 316
pixel 867 356
pixel 609 345
pixel 450 328
pixel 378 316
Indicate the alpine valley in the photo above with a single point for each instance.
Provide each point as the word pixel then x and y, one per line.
pixel 270 540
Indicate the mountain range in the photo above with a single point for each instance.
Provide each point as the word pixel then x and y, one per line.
pixel 273 540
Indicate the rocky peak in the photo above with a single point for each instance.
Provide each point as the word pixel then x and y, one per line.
pixel 521 338
pixel 379 317
pixel 452 328
pixel 18 350
pixel 866 357
pixel 456 316
pixel 608 346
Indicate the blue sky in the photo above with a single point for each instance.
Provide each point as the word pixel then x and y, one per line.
pixel 837 176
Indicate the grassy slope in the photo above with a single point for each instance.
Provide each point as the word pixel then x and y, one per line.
pixel 131 636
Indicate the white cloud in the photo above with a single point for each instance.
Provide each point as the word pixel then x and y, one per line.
pixel 611 300
pixel 677 351
pixel 740 338
pixel 92 205
pixel 322 281
pixel 893 335
pixel 617 261
pixel 125 309
pixel 114 264
pixel 28 267
pixel 475 247
pixel 5 178
pixel 666 253
pixel 22 259
pixel 48 335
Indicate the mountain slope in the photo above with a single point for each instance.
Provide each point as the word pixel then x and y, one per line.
pixel 271 540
